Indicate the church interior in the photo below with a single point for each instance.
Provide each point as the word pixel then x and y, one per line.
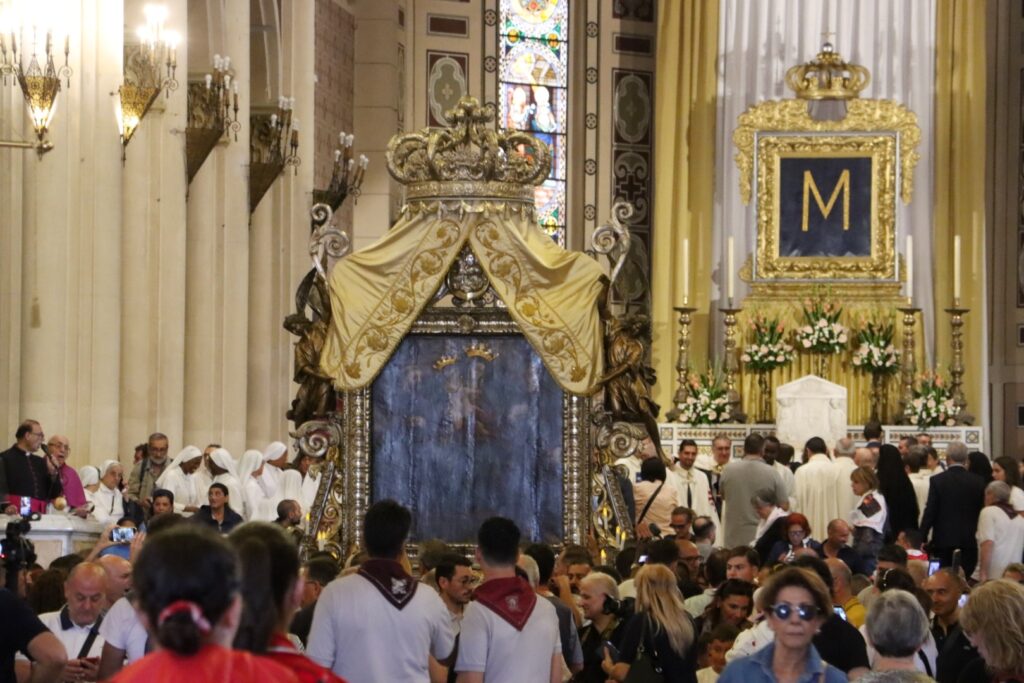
pixel 412 237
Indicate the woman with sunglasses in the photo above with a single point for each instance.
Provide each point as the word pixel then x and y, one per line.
pixel 797 605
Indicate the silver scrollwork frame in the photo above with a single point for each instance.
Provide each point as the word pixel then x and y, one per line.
pixel 348 488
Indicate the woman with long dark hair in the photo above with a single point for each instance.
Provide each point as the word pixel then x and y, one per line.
pixel 1004 468
pixel 978 463
pixel 895 485
pixel 186 588
pixel 272 589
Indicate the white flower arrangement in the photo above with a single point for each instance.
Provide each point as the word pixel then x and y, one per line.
pixel 822 332
pixel 706 401
pixel 876 353
pixel 932 404
pixel 769 350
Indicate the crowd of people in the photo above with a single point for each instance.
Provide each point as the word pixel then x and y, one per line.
pixel 920 579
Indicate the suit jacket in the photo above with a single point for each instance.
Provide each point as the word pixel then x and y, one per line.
pixel 955 499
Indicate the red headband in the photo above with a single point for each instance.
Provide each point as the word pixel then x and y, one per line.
pixel 185 607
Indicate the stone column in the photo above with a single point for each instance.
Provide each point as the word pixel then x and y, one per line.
pixel 153 258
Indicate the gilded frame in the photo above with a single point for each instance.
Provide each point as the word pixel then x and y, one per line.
pixel 348 490
pixel 772 148
pixel 865 118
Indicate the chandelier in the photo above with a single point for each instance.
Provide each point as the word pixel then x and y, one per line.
pixel 149 70
pixel 28 34
pixel 212 113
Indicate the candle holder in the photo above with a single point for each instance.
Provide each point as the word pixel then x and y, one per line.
pixel 683 355
pixel 909 365
pixel 956 368
pixel 730 363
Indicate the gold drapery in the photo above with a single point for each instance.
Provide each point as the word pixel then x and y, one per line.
pixel 684 124
pixel 378 292
pixel 840 368
pixel 960 126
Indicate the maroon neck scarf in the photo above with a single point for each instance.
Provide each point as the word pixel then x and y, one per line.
pixel 390 579
pixel 510 598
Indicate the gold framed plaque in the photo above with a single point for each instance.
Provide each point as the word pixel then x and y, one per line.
pixel 826 191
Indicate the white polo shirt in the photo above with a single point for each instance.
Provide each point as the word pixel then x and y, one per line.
pixel 361 636
pixel 71 636
pixel 490 644
pixel 122 629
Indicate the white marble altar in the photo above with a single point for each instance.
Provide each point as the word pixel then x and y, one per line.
pixel 808 407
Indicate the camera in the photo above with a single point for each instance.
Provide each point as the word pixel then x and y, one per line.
pixel 18 553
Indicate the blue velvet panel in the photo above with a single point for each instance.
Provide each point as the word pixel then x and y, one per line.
pixel 470 440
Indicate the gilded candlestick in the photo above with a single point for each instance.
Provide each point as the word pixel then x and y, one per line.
pixel 683 354
pixel 909 364
pixel 730 363
pixel 956 368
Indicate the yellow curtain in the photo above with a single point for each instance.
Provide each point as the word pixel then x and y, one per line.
pixel 684 125
pixel 960 181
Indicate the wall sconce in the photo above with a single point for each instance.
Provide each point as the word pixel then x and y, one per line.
pixel 273 145
pixel 143 83
pixel 347 176
pixel 26 57
pixel 212 113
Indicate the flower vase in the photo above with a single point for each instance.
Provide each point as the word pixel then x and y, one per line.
pixel 821 363
pixel 879 396
pixel 764 397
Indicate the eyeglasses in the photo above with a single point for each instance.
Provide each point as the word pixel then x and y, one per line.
pixel 784 610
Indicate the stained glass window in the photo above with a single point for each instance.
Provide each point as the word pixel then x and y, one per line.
pixel 533 63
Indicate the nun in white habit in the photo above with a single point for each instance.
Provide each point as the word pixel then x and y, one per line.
pixel 222 467
pixel 250 469
pixel 180 479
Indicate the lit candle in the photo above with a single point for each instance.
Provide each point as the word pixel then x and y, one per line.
pixel 337 155
pixel 686 271
pixel 227 63
pixel 730 266
pixel 209 80
pixel 910 270
pixel 216 61
pixel 956 270
pixel 349 139
pixel 341 138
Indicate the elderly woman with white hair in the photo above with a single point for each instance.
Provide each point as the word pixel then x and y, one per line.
pixel 107 502
pixel 599 598
pixel 1000 533
pixel 896 629
pixel 180 480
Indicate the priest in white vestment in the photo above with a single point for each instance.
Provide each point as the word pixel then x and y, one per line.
pixel 843 465
pixel 180 479
pixel 814 489
pixel 693 483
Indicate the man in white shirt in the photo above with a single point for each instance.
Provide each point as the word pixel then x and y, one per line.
pixel 843 465
pixel 77 624
pixel 107 502
pixel 508 634
pixel 1000 533
pixel 381 624
pixel 815 486
pixel 693 483
pixel 914 462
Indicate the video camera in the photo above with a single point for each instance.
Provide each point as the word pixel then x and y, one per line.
pixel 17 552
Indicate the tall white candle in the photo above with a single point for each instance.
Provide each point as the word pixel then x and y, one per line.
pixel 686 271
pixel 956 268
pixel 730 267
pixel 910 269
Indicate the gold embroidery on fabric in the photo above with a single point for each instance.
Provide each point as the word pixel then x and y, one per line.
pixel 534 316
pixel 389 322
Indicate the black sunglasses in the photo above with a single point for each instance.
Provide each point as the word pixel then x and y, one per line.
pixel 784 610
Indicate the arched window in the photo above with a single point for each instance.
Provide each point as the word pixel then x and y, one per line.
pixel 533 78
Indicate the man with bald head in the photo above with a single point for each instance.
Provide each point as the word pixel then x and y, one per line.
pixel 119 578
pixel 77 624
pixel 842 593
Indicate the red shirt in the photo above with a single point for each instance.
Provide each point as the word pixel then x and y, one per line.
pixel 284 653
pixel 212 664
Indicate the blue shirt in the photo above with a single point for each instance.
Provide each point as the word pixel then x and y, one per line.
pixel 757 668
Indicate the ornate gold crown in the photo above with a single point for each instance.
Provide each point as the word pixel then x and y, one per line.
pixel 443 362
pixel 828 77
pixel 470 159
pixel 481 350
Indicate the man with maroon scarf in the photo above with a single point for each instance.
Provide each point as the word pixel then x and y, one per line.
pixel 508 635
pixel 375 625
